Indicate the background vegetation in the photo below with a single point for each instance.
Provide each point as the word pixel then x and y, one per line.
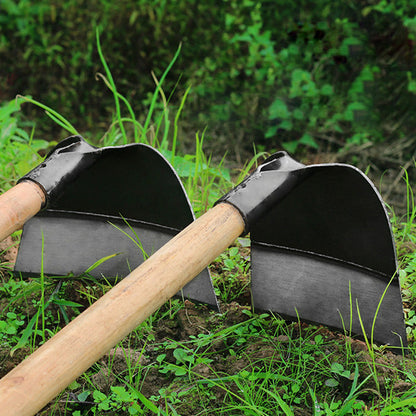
pixel 317 74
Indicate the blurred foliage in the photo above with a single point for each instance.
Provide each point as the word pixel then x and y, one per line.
pixel 312 74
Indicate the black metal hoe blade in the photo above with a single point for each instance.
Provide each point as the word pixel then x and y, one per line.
pixel 322 248
pixel 124 200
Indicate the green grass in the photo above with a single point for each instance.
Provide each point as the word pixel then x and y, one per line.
pixel 18 148
pixel 186 359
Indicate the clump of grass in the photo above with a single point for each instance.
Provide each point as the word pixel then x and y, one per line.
pixel 404 229
pixel 18 149
pixel 231 273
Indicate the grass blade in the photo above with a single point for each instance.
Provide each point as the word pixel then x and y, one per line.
pixel 100 261
pixel 283 405
pixel 113 85
pixel 55 116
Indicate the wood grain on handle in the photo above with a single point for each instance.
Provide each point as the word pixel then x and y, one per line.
pixel 38 379
pixel 19 204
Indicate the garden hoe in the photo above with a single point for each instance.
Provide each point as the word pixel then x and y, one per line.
pixel 322 251
pixel 118 204
pixel 325 252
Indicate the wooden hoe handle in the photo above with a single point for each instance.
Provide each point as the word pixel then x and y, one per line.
pixel 51 368
pixel 17 205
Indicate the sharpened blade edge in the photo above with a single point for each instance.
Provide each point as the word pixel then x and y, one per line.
pixel 324 291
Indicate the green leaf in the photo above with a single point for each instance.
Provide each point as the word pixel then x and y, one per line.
pixel 271 131
pixel 135 409
pixel 180 371
pixel 300 75
pixel 160 358
pixel 11 330
pixel 327 90
pixel 285 125
pixel 337 368
pixel 182 355
pixel 244 241
pixel 291 146
pixel 298 114
pixel 74 385
pixel 278 109
pixel 295 388
pixel 98 396
pixel 121 393
pixel 233 251
pixel 358 139
pixel 411 84
pixel 366 11
pixel 331 382
pixel 318 339
pixel 229 263
pixel 6 110
pixel 410 23
pixel 308 140
pixel 104 405
pixel 302 84
pixel 83 396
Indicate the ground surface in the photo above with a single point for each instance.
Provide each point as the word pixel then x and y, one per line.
pixel 171 359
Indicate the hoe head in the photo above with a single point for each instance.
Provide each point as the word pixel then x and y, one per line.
pixel 121 203
pixel 322 248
